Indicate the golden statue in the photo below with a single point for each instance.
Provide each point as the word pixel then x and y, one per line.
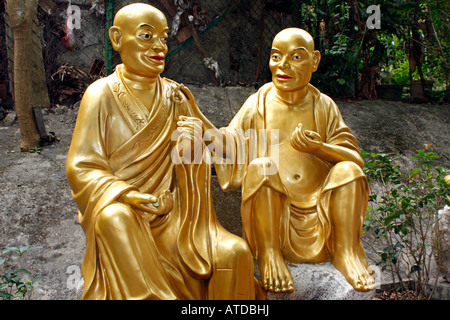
pixel 151 230
pixel 304 193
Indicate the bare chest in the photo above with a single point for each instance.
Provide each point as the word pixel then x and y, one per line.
pixel 283 121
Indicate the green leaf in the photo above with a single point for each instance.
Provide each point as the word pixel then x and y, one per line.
pixel 24 249
pixel 431 155
pixel 6 295
pixel 21 286
pixel 415 268
pixel 15 249
pixel 387 249
pixel 413 172
pixel 24 271
pixel 36 280
pixel 320 11
pixel 397 186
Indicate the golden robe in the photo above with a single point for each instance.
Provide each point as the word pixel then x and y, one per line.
pixel 119 145
pixel 305 231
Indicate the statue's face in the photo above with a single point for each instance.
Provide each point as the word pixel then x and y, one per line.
pixel 293 59
pixel 143 43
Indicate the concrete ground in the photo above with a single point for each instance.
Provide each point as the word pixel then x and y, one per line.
pixel 37 207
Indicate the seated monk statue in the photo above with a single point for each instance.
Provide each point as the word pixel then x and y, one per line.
pixel 151 229
pixel 304 193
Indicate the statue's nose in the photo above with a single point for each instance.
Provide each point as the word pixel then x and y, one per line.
pixel 156 48
pixel 284 63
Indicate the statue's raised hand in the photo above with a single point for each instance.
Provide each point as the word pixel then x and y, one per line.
pixel 191 126
pixel 189 143
pixel 306 140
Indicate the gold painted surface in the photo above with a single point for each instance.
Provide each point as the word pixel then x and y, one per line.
pixel 151 230
pixel 311 208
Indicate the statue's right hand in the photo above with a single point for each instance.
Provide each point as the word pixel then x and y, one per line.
pixel 306 140
pixel 149 204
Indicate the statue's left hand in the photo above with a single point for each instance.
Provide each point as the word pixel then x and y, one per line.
pixel 306 140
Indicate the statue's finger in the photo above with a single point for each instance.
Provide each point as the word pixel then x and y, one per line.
pixel 147 207
pixel 312 135
pixel 148 198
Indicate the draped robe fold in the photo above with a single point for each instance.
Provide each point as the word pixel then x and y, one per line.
pixel 305 230
pixel 119 145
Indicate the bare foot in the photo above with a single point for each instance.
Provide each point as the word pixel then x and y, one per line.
pixel 275 276
pixel 353 267
pixel 363 260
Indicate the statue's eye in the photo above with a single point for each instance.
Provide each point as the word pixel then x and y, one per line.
pixel 276 57
pixel 296 57
pixel 145 35
pixel 164 39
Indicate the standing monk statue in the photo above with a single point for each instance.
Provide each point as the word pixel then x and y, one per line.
pixel 150 226
pixel 304 193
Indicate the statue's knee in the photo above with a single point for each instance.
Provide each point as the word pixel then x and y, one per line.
pixel 232 250
pixel 113 217
pixel 347 167
pixel 262 166
pixel 240 250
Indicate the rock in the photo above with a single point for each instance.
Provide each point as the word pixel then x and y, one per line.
pixel 9 119
pixel 320 282
pixel 38 209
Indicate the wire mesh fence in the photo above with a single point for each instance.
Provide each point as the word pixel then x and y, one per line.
pixel 233 44
pixel 219 42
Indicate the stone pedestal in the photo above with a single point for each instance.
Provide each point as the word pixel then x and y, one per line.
pixel 320 282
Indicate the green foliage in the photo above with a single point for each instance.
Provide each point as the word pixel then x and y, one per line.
pixel 17 283
pixel 403 215
pixel 395 67
pixel 336 74
pixel 36 150
pixel 349 49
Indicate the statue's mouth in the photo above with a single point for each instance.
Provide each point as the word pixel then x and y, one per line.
pixel 158 58
pixel 283 76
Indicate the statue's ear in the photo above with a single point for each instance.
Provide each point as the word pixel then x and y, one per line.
pixel 115 36
pixel 316 60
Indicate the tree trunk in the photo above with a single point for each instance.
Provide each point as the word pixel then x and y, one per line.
pixel 21 14
pixel 366 87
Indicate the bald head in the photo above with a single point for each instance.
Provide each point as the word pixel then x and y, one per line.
pixel 131 15
pixel 293 59
pixel 297 36
pixel 139 33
